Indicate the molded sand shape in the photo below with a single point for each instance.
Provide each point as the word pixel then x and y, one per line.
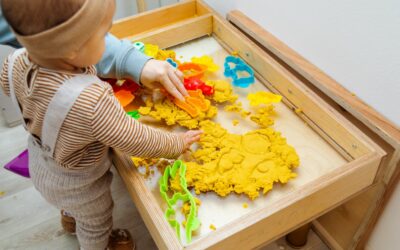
pixel 244 164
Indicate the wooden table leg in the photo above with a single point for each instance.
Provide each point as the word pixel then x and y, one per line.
pixel 298 238
pixel 141 5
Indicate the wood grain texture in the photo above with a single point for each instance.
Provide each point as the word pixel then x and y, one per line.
pixel 353 104
pixel 141 5
pixel 153 216
pixel 20 201
pixel 187 29
pixel 297 93
pixel 203 8
pixel 219 56
pixel 384 196
pixel 270 223
pixel 339 226
pixel 359 219
pixel 312 149
pixel 157 18
pixel 315 198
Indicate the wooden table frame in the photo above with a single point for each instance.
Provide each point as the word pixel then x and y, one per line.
pixel 349 225
pixel 193 19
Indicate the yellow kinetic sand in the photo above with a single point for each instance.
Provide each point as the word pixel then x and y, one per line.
pixel 237 107
pixel 243 164
pixel 263 116
pixel 165 110
pixel 160 164
pixel 223 91
pixel 159 54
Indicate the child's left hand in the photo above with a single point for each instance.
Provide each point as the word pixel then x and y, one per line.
pixel 158 73
pixel 190 137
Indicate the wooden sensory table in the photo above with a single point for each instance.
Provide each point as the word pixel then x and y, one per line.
pixel 338 160
pixel 349 225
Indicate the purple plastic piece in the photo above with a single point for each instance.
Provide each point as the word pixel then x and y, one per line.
pixel 20 164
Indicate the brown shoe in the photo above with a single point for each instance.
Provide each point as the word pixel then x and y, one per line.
pixel 67 222
pixel 120 239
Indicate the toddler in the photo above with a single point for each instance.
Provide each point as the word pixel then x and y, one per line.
pixel 73 117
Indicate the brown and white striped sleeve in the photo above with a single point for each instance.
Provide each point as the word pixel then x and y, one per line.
pixel 113 127
pixel 4 78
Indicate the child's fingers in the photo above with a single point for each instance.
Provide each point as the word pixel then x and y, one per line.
pixel 177 82
pixel 192 140
pixel 179 74
pixel 196 138
pixel 195 132
pixel 193 136
pixel 170 87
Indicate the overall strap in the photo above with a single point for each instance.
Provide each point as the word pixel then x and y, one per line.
pixel 59 106
pixel 11 63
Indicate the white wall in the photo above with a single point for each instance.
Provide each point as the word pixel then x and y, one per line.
pixel 125 8
pixel 357 43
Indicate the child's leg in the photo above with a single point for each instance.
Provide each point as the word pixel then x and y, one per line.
pixel 94 222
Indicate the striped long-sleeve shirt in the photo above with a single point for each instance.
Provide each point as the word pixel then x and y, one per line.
pixel 95 122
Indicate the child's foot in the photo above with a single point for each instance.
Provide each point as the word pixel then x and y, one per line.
pixel 120 239
pixel 67 222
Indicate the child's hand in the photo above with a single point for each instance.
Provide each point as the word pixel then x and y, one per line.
pixel 156 73
pixel 190 137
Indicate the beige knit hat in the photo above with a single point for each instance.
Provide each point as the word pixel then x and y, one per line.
pixel 69 36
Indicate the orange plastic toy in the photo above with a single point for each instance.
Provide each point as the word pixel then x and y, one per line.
pixel 194 103
pixel 125 97
pixel 191 70
pixel 196 98
pixel 193 112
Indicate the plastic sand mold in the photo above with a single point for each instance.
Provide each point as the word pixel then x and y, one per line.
pixel 125 97
pixel 263 97
pixel 191 70
pixel 134 114
pixel 172 62
pixel 239 66
pixel 139 46
pixel 192 222
pixel 20 164
pixel 206 61
pixel 195 83
pixel 194 103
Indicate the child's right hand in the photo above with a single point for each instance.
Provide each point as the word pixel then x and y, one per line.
pixel 190 137
pixel 156 74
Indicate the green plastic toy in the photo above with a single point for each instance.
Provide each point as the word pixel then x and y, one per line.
pixel 134 114
pixel 192 222
pixel 139 46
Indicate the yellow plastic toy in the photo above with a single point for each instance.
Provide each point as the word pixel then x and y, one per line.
pixel 151 50
pixel 263 97
pixel 206 61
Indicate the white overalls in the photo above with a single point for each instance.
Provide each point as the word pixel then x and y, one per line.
pixel 84 194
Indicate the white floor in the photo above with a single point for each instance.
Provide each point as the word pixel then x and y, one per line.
pixel 28 222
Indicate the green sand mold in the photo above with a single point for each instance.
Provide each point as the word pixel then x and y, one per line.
pixel 192 222
pixel 134 114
